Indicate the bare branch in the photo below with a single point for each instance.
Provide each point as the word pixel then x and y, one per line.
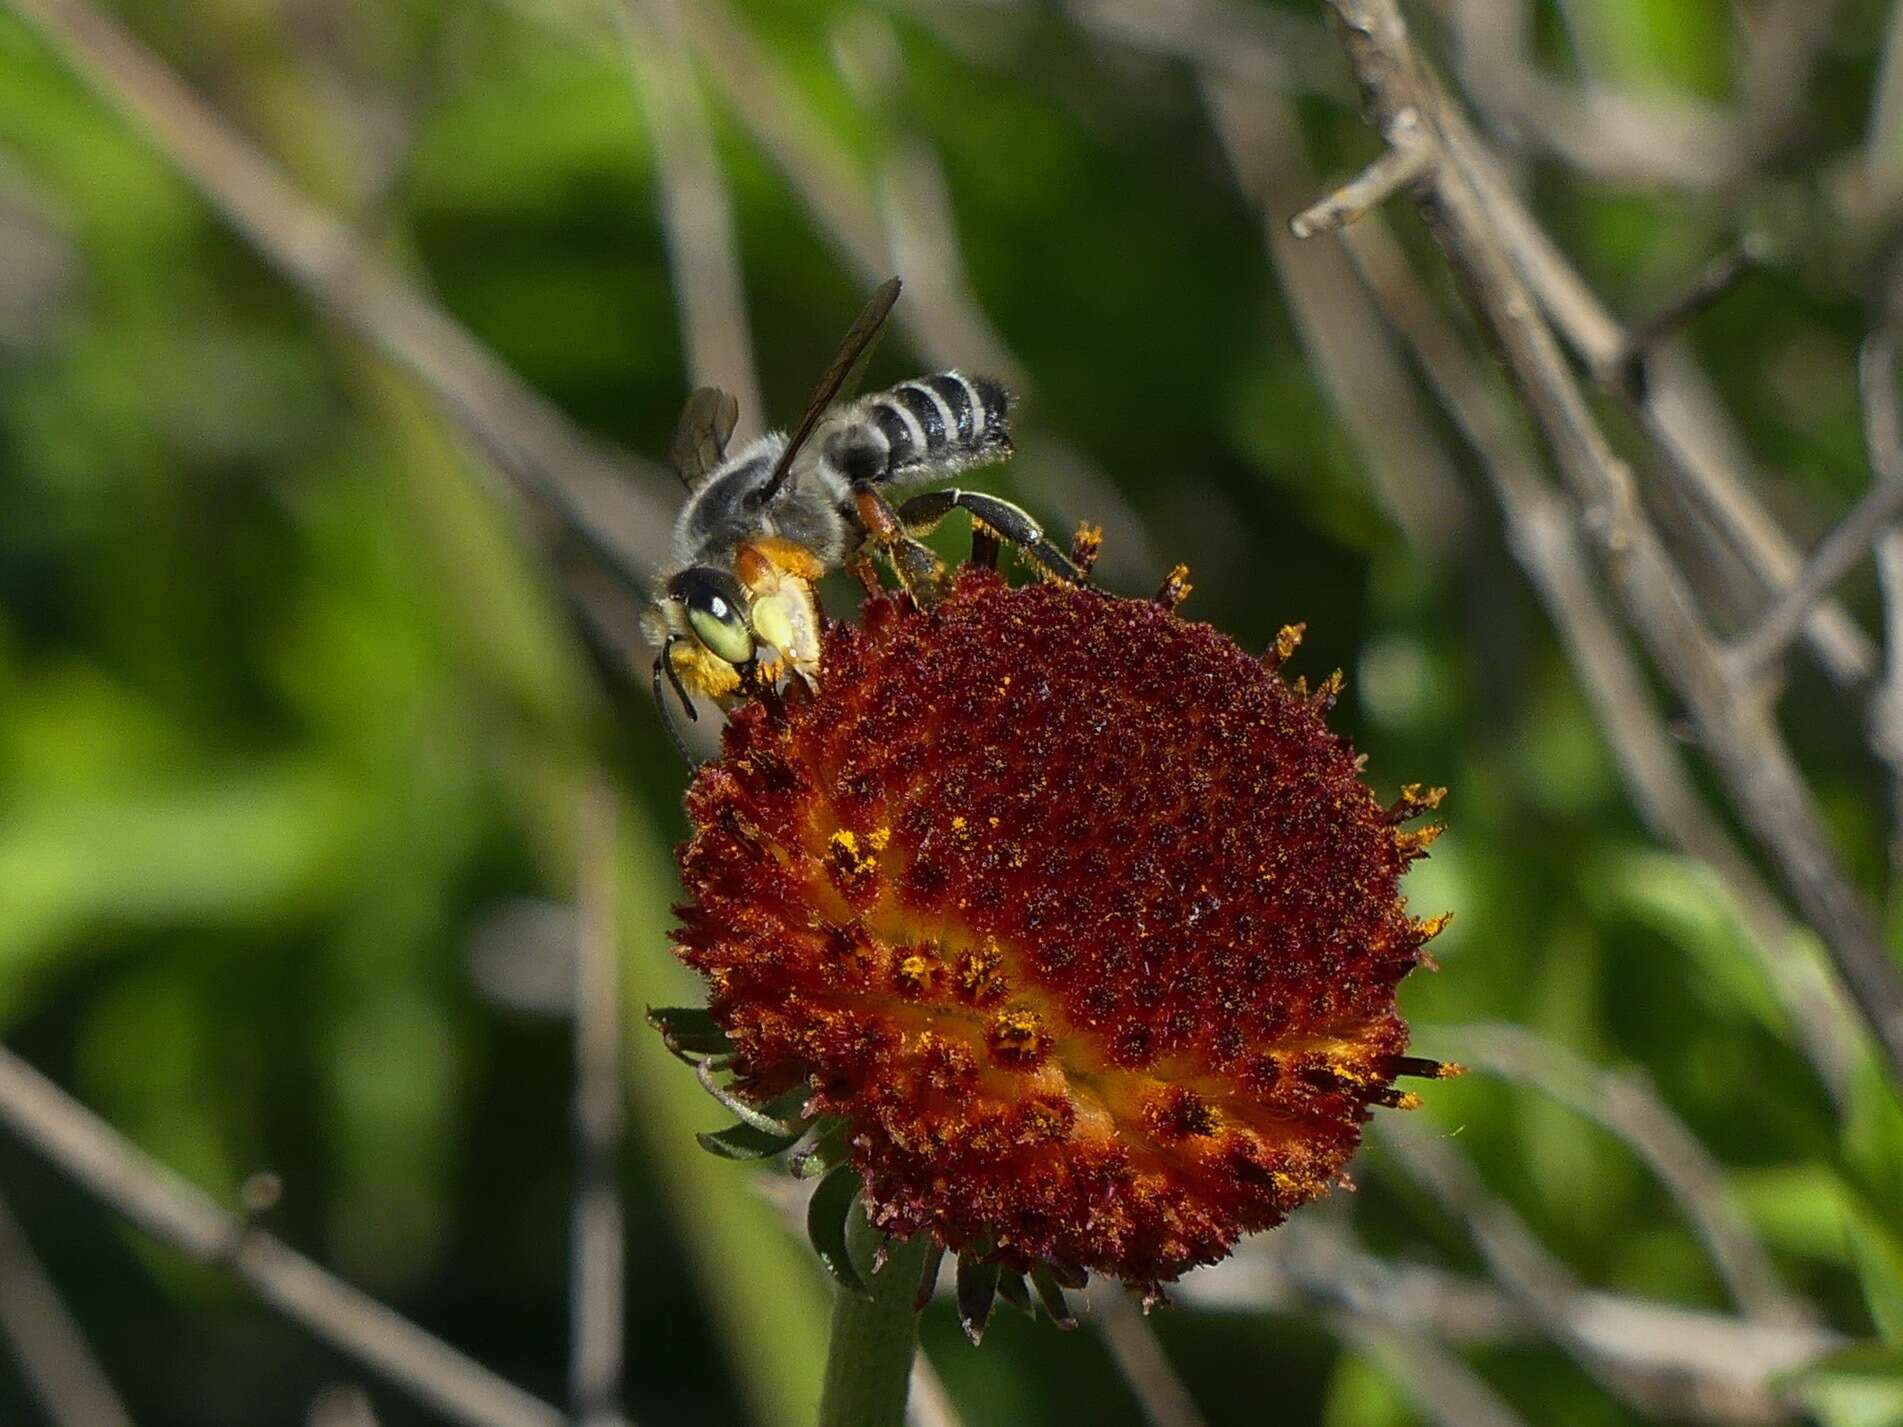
pixel 1444 1388
pixel 1546 542
pixel 1401 447
pixel 341 1405
pixel 1886 713
pixel 1677 408
pixel 1161 1394
pixel 1652 139
pixel 1259 45
pixel 1626 1103
pixel 1728 1366
pixel 597 1273
pixel 609 499
pixel 1516 1260
pixel 1851 538
pixel 1737 730
pixel 1648 333
pixel 122 1177
pixel 1409 160
pixel 56 1362
pixel 696 206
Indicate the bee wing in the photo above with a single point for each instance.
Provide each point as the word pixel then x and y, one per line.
pixel 700 440
pixel 846 365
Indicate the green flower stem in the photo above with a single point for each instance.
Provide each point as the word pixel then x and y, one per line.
pixel 869 1364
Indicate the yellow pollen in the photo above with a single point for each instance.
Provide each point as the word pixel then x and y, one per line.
pixel 1414 842
pixel 1287 640
pixel 1015 1036
pixel 914 973
pixel 1433 926
pixel 846 856
pixel 979 974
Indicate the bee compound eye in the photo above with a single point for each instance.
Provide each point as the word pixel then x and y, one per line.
pixel 715 613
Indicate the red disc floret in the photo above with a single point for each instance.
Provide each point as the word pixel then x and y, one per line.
pixel 1078 913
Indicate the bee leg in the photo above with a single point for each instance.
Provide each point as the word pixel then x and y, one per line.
pixel 859 566
pixel 992 519
pixel 985 546
pixel 920 571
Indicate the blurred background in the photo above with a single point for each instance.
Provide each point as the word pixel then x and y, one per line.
pixel 323 324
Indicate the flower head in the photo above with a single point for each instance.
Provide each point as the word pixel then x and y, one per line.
pixel 1076 913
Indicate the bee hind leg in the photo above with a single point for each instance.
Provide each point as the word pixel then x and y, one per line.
pixel 992 520
pixel 920 571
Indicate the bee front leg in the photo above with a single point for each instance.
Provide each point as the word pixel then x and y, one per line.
pixel 920 571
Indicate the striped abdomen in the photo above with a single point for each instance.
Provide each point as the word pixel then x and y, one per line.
pixel 930 425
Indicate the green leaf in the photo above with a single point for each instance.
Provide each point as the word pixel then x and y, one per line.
pixel 1879 1258
pixel 977 1291
pixel 1796 1209
pixel 1858 1386
pixel 826 1214
pixel 1683 900
pixel 689 1030
pixel 1873 1133
pixel 744 1142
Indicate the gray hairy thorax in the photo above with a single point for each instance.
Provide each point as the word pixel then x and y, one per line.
pixel 808 510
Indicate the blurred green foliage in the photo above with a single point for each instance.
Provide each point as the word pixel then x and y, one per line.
pixel 290 721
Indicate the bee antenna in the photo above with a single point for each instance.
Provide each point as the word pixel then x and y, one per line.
pixel 662 662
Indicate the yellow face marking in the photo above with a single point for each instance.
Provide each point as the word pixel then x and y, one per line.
pixel 703 672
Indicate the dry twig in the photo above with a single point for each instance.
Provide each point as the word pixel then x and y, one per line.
pixel 1373 393
pixel 605 497
pixel 1545 540
pixel 1161 1394
pixel 1626 1104
pixel 1736 728
pixel 55 1360
pixel 1853 536
pixel 1730 1364
pixel 1444 1388
pixel 696 206
pixel 598 1269
pixel 1676 406
pixel 120 1176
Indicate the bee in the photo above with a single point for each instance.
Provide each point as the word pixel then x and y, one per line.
pixel 736 607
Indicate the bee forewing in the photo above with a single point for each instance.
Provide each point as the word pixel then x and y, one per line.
pixel 700 439
pixel 846 364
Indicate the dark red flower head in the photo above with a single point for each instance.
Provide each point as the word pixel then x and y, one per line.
pixel 1077 913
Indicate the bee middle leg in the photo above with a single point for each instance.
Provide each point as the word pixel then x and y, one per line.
pixel 920 571
pixel 992 519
